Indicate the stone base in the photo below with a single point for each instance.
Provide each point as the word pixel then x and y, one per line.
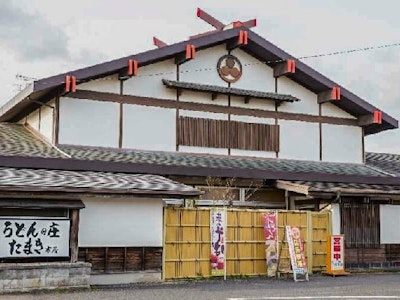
pixel 125 278
pixel 23 277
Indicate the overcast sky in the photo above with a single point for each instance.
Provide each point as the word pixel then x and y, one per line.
pixel 42 38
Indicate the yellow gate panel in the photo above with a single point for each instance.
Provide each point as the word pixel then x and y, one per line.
pixel 187 241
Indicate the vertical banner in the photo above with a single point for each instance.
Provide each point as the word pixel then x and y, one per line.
pixel 335 255
pixel 296 250
pixel 218 233
pixel 270 221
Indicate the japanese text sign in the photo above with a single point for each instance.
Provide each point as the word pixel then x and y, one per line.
pixel 217 256
pixel 296 250
pixel 21 237
pixel 271 234
pixel 335 256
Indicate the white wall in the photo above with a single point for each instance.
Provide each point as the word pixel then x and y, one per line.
pixel 335 218
pixel 341 143
pixel 87 122
pixel 203 98
pixel 251 119
pixel 255 75
pixel 148 82
pixel 33 119
pixel 121 222
pixel 46 121
pixel 299 140
pixel 206 60
pixel 253 104
pixel 308 103
pixel 109 84
pixel 390 224
pixel 149 128
pixel 331 110
pixel 202 114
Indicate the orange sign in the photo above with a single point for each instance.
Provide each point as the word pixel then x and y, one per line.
pixel 335 255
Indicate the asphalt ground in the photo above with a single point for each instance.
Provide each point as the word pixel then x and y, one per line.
pixel 353 286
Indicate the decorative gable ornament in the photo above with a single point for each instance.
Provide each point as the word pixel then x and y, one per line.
pixel 229 68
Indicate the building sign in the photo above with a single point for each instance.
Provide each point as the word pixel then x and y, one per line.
pixel 335 255
pixel 21 237
pixel 296 250
pixel 218 229
pixel 229 68
pixel 271 236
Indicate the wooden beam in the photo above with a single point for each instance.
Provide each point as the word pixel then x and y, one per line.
pixel 241 40
pixel 190 53
pixel 284 68
pixel 374 118
pixel 74 216
pixel 132 69
pixel 209 19
pixel 330 95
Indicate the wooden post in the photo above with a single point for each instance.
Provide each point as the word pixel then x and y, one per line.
pixel 74 216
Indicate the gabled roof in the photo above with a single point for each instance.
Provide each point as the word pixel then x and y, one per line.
pixel 257 46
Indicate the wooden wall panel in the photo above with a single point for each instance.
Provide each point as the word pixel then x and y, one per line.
pixel 211 133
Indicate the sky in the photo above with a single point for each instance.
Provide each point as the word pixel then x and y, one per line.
pixel 42 38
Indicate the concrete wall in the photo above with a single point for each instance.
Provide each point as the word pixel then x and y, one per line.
pixel 89 123
pixel 25 277
pixel 121 222
pixel 335 219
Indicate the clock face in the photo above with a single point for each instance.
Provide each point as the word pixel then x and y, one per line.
pixel 229 68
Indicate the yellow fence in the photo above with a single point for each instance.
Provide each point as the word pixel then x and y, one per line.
pixel 187 241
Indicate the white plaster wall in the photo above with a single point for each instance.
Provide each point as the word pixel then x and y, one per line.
pixel 264 154
pixel 308 103
pixel 149 128
pixel 203 98
pixel 33 119
pixel 109 84
pixel 331 110
pixel 253 104
pixel 251 119
pixel 335 218
pixel 255 75
pixel 148 82
pixel 390 224
pixel 205 60
pixel 87 122
pixel 299 140
pixel 119 222
pixel 46 121
pixel 202 114
pixel 203 150
pixel 341 143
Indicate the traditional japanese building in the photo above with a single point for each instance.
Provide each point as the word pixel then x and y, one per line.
pixel 224 110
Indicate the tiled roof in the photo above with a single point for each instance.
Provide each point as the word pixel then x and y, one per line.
pixel 94 182
pixel 327 187
pixel 15 139
pixel 221 162
pixel 228 90
pixel 390 163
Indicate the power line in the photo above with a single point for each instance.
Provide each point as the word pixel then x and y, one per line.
pixel 320 55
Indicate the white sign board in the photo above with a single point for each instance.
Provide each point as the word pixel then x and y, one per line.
pixel 21 237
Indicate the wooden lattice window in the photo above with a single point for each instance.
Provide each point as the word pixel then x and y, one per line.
pixel 360 223
pixel 201 132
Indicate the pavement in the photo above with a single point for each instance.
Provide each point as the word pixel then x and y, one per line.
pixel 353 286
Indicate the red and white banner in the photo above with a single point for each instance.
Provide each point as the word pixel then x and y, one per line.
pixel 218 243
pixel 296 250
pixel 270 225
pixel 335 255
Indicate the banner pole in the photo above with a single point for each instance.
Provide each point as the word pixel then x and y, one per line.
pixel 226 231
